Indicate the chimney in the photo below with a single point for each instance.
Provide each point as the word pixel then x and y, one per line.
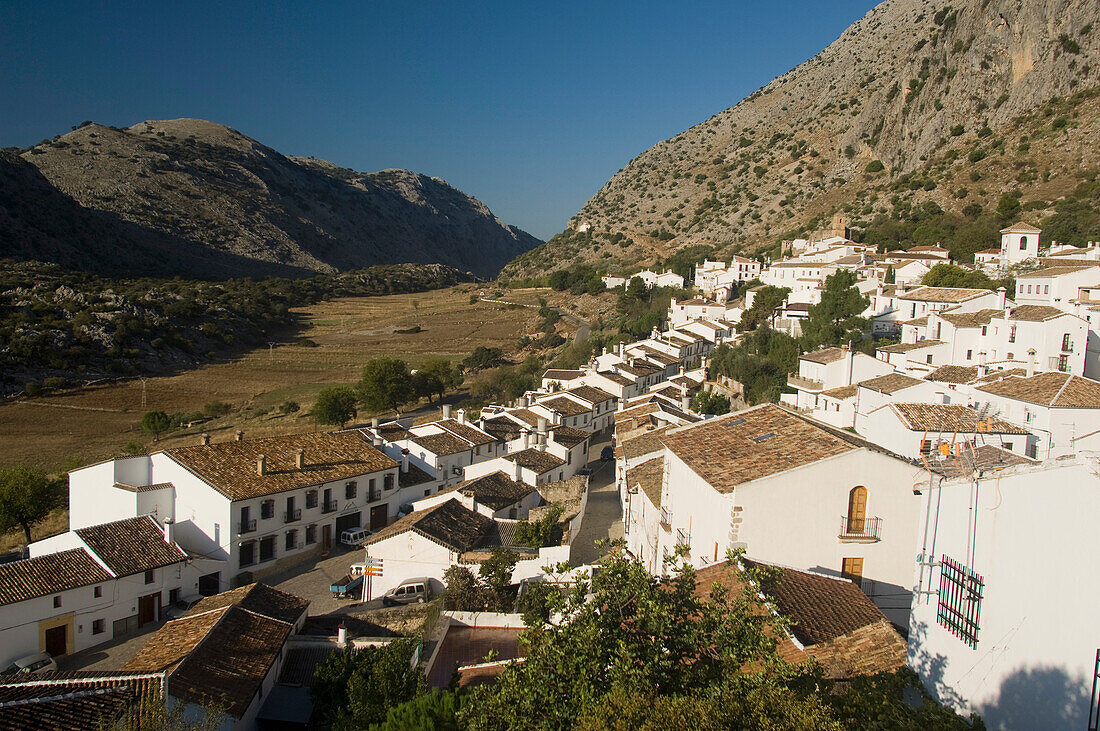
pixel 526 438
pixel 238 435
pixel 169 530
pixel 376 440
pixel 342 635
pixel 622 349
pixel 299 458
pixel 446 411
pixel 542 425
pixel 461 416
pixel 550 435
pixel 261 464
pixel 1030 362
pixel 685 402
pixel 1001 294
pixel 375 423
pixel 528 399
pixel 204 439
pixel 542 442
pixel 517 472
pixel 983 369
pixel 404 461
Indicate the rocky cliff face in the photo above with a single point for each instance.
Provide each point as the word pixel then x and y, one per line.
pixel 202 192
pixel 918 101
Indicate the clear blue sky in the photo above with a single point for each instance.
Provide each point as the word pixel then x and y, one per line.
pixel 528 106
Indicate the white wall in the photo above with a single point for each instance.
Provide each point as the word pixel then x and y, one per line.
pixel 1033 540
pixel 409 555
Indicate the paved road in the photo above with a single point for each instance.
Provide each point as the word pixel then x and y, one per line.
pixel 603 516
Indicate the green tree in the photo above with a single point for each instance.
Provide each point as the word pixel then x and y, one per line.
pixel 949 275
pixel 355 688
pixel 764 305
pixel 435 378
pixel 26 497
pixel 483 358
pixel 386 383
pixel 837 318
pixel 334 405
pixel 155 423
pixel 709 402
pixel 760 361
pixel 435 711
pixel 890 277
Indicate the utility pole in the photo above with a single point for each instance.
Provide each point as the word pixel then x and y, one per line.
pixel 271 351
pixel 143 392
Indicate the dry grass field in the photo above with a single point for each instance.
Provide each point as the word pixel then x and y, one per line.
pixel 59 432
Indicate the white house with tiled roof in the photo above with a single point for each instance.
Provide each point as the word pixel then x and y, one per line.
pixel 1004 616
pixel 257 505
pixel 1018 244
pixel 829 368
pixel 1056 286
pixel 89 586
pixel 917 430
pixel 793 491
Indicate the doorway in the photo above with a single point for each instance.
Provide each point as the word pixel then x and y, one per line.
pixel 148 609
pixel 210 584
pixel 57 640
pixel 379 516
pixel 326 537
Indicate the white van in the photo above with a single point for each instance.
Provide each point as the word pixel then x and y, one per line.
pixel 354 536
pixel 418 590
pixel 38 663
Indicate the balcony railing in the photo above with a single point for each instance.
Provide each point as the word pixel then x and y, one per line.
pixel 867 529
pixel 666 519
pixel 246 526
pixel 292 515
pixel 329 506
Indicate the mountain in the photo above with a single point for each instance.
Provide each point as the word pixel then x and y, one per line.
pixel 923 121
pixel 196 198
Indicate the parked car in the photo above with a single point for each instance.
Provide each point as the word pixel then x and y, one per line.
pixel 181 607
pixel 607 453
pixel 355 536
pixel 40 662
pixel 409 591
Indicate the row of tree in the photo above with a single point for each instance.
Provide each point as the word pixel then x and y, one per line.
pixel 386 384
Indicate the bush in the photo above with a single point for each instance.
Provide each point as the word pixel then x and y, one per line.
pixel 541 532
pixel 55 383
pixel 216 408
pixel 32 388
pixel 875 166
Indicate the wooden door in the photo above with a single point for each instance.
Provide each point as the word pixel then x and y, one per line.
pixel 326 537
pixel 852 569
pixel 857 510
pixel 147 609
pixel 379 516
pixel 56 640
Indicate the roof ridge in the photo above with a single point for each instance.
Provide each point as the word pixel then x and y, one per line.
pixel 99 678
pixel 1069 377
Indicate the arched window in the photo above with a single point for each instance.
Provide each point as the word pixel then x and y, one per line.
pixel 1023 243
pixel 857 510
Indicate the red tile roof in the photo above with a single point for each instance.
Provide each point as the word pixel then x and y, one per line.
pixel 131 546
pixel 1059 390
pixel 52 573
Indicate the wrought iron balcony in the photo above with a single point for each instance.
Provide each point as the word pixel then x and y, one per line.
pixel 292 515
pixel 246 526
pixel 860 529
pixel 666 518
pixel 329 506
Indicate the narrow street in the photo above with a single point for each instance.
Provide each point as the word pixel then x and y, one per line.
pixel 603 517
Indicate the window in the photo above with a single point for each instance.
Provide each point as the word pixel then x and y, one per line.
pixel 350 490
pixel 960 600
pixel 569 457
pixel 291 540
pixel 1032 450
pixel 1067 346
pixel 267 509
pixel 857 511
pixel 150 576
pixel 387 481
pixel 248 553
pixel 97 592
pixel 1007 446
pixel 852 569
pixel 173 596
pixel 929 358
pixel 1063 363
pixel 311 498
pixel 1012 334
pixel 99 626
pixel 57 602
pixel 267 548
pixel 970 355
pixel 311 535
pixel 1046 289
pixel 1023 245
pixel 984 327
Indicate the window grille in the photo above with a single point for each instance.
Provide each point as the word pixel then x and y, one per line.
pixel 960 600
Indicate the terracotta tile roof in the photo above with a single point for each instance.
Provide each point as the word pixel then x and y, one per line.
pixel 131 546
pixel 943 294
pixel 567 436
pixel 642 442
pixel 835 622
pixel 844 392
pixel 501 427
pixel 469 432
pixel 633 412
pixel 1036 313
pixel 921 321
pixel 533 459
pixel 996 375
pixel 949 418
pixel 228 666
pixel 591 394
pixel 230 467
pixel 441 444
pixel 258 598
pixel 616 378
pixel 1059 390
pixel 144 488
pixel 392 432
pixel 450 524
pixel 566 406
pixel 496 490
pixel 649 475
pixel 969 319
pixel 1057 270
pixel 76 701
pixel 559 374
pixel 301 663
pixel 988 251
pixel 928 248
pixel 953 374
pixel 890 383
pixel 526 416
pixel 1021 227
pixel 906 347
pixel 985 457
pixel 172 642
pixel 49 574
pixel 825 355
pixel 752 444
pixel 658 356
pixel 639 369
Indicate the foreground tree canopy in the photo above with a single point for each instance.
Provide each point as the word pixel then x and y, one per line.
pixel 635 651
